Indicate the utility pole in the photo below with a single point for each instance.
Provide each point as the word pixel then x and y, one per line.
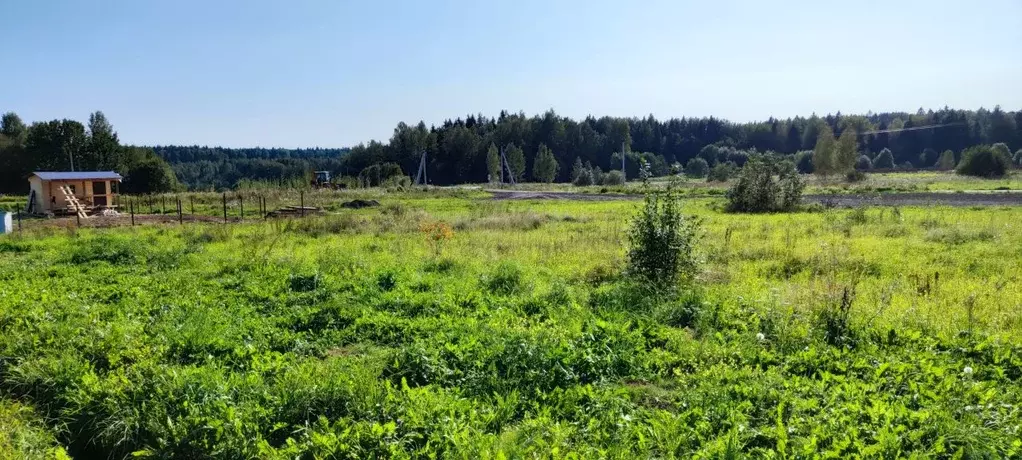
pixel 510 173
pixel 422 170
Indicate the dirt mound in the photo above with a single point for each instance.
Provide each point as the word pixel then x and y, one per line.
pixel 359 204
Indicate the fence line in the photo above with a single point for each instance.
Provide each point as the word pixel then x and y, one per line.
pixel 157 206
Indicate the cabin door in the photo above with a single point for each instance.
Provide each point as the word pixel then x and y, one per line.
pixel 99 193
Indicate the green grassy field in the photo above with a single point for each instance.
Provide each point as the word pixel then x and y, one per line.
pixel 877 332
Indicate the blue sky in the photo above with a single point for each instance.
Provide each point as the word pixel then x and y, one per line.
pixel 334 73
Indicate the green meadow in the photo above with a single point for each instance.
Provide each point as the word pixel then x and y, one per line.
pixel 450 325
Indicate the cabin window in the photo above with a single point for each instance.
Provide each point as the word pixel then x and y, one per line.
pixel 114 187
pixel 99 187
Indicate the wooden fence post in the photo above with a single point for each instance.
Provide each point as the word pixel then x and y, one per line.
pixel 19 220
pixel 241 206
pixel 301 203
pixel 163 204
pixel 191 202
pixel 225 207
pixel 180 218
pixel 131 207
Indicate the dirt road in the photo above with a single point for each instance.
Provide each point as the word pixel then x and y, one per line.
pixel 919 199
pixel 836 200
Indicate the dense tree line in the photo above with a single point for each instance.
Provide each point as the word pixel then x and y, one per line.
pixel 202 167
pixel 66 145
pixel 461 150
pixel 469 150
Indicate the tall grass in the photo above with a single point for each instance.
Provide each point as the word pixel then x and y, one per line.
pixel 349 335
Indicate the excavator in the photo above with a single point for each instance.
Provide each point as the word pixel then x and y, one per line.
pixel 321 179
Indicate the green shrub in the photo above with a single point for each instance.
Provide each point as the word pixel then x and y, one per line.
pixel 946 162
pixel 855 175
pixel 722 172
pixel 884 160
pixel 984 161
pixel 863 163
pixel 662 240
pixel 804 162
pixel 614 177
pixel 506 279
pixel 758 190
pixel 583 177
pixel 928 158
pixel 1018 158
pixel 697 168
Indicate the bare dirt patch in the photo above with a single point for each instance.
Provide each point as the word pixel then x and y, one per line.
pixel 918 199
pixel 528 195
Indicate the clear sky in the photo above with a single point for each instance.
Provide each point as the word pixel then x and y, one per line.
pixel 333 73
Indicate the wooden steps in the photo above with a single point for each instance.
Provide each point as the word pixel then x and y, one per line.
pixel 72 202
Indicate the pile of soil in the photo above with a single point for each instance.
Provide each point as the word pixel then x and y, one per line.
pixel 359 204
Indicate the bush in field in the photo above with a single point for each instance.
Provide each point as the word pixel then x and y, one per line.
pixel 765 187
pixel 984 161
pixel 1018 158
pixel 722 172
pixel 584 178
pixel 855 175
pixel 613 177
pixel 928 158
pixel 1002 149
pixel 577 169
pixel 946 162
pixel 597 174
pixel 804 162
pixel 437 235
pixel 661 241
pixel 863 163
pixel 697 167
pixel 884 160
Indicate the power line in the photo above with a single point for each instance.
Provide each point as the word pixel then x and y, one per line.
pixel 914 128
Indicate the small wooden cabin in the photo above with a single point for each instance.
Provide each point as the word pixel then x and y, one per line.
pixel 57 192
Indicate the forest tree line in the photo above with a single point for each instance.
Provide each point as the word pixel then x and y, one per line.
pixel 464 150
pixel 203 167
pixel 457 151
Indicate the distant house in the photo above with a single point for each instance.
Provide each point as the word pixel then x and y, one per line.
pixel 71 192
